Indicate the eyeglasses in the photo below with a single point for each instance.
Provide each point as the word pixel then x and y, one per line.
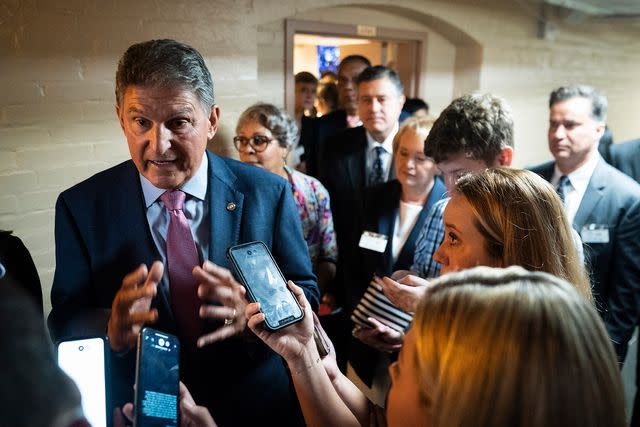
pixel 257 142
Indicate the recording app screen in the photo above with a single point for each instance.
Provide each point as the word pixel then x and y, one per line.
pixel 158 382
pixel 83 361
pixel 268 287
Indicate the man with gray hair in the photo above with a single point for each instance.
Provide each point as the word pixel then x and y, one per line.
pixel 601 203
pixel 145 243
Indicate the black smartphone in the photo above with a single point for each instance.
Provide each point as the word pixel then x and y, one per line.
pixel 86 361
pixel 258 272
pixel 157 389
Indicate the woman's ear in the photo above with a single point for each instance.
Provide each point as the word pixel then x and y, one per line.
pixel 505 157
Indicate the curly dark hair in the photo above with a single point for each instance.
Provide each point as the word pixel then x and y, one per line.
pixel 480 126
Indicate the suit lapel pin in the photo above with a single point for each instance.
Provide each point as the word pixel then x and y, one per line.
pixel 231 206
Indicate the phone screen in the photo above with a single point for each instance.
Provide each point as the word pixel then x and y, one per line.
pixel 266 284
pixel 157 379
pixel 84 361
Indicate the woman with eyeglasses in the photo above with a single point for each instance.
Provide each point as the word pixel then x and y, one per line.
pixel 264 136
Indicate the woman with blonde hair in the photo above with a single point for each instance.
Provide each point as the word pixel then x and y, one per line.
pixel 498 218
pixel 506 347
pixel 522 222
pixel 488 347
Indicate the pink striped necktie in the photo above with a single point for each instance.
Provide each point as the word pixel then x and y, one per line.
pixel 182 257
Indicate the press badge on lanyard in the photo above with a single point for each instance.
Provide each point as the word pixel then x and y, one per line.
pixel 595 233
pixel 373 241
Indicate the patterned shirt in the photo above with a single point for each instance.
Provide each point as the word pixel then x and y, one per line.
pixel 312 201
pixel 428 241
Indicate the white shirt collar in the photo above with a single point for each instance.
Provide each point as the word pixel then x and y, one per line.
pixel 387 144
pixel 195 187
pixel 580 177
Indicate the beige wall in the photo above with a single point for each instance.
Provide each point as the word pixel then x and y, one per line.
pixel 371 51
pixel 306 59
pixel 57 62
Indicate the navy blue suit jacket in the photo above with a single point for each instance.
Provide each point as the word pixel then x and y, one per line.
pixel 346 182
pixel 626 158
pixel 611 199
pixel 102 234
pixel 381 206
pixel 314 134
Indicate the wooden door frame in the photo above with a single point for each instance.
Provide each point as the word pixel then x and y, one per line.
pixel 294 26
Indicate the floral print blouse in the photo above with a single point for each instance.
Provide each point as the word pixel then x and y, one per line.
pixel 312 201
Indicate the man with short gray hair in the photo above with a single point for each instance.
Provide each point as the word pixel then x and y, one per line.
pixel 145 243
pixel 601 203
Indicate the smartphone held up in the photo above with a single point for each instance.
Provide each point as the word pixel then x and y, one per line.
pixel 157 389
pixel 258 272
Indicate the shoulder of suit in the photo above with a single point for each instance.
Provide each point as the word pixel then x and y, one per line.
pixel 8 240
pixel 107 179
pixel 541 167
pixel 348 140
pixel 624 149
pixel 245 176
pixel 338 116
pixel 624 185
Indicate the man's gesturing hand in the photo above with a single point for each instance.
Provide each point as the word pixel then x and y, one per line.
pixel 217 284
pixel 131 308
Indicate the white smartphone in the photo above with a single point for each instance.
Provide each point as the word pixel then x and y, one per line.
pixel 85 360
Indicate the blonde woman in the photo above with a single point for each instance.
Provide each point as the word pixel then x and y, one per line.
pixel 506 347
pixel 488 347
pixel 499 218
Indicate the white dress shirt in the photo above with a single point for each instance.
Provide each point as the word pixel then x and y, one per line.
pixel 405 220
pixel 578 182
pixel 387 144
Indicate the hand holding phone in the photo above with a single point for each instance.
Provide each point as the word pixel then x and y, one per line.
pixel 265 284
pixel 157 388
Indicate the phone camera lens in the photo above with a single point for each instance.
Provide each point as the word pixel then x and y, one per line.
pixel 80 348
pixel 248 252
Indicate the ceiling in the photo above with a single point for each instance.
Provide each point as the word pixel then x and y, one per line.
pixel 600 7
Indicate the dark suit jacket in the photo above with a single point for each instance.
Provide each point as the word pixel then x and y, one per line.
pixel 314 133
pixel 611 199
pixel 20 268
pixel 346 182
pixel 626 158
pixel 102 234
pixel 381 206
